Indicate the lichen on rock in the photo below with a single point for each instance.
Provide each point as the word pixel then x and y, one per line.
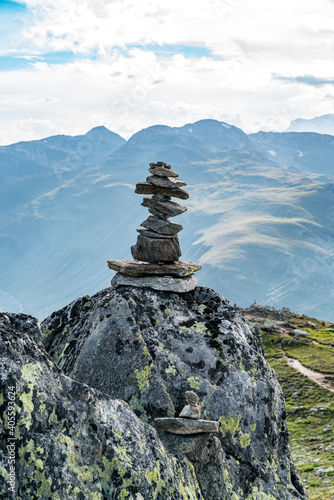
pixel 149 347
pixel 73 441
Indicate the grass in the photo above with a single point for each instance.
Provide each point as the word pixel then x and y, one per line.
pixel 316 357
pixel 310 416
pixel 325 337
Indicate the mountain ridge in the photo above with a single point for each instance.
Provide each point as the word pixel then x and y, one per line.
pixel 255 220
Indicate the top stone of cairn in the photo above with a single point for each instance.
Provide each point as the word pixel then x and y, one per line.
pixel 157 250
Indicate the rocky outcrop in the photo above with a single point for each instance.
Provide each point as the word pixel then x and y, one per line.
pixel 72 441
pixel 148 348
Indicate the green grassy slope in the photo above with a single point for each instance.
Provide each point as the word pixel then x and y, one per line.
pixel 310 407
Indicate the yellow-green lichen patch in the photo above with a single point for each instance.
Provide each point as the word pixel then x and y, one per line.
pixel 259 495
pixel 200 327
pixel 123 466
pixel 30 374
pixel 229 424
pixel 47 332
pixel 171 369
pixel 188 492
pixel 143 377
pixel 229 486
pixel 44 489
pixel 53 417
pixel 138 407
pixel 253 427
pixel 194 382
pixel 245 440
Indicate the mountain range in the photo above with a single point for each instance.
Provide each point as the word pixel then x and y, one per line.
pixel 260 213
pixel 321 124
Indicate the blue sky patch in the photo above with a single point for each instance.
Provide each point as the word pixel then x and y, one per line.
pixel 169 50
pixel 306 79
pixel 12 6
pixel 9 63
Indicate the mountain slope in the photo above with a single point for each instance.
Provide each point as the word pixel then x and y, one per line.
pixel 262 225
pixel 320 124
pixel 291 340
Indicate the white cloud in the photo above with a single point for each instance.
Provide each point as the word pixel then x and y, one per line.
pixel 256 42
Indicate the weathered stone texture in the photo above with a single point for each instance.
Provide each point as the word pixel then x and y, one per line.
pixel 149 188
pixel 164 283
pixel 147 348
pixel 138 268
pixel 156 250
pixel 74 442
pixel 161 226
pixel 171 208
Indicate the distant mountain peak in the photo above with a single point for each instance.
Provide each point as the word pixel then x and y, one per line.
pixel 323 124
pixel 101 129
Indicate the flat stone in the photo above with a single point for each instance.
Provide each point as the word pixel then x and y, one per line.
pixel 159 214
pixel 156 250
pixel 171 208
pixel 186 426
pixel 163 172
pixel 152 234
pixel 160 226
pixel 149 188
pixel 162 283
pixel 138 268
pixel 165 181
pixel 191 411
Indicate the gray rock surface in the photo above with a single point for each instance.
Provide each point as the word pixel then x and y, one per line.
pixel 302 333
pixel 137 268
pixel 148 347
pixel 163 283
pixel 152 234
pixel 156 250
pixel 186 426
pixel 161 226
pixel 159 214
pixel 170 208
pixel 163 172
pixel 149 188
pixel 165 182
pixel 74 442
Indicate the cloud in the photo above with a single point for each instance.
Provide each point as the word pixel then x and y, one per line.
pixel 307 80
pixel 127 65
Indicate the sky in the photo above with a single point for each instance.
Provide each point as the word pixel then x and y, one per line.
pixel 67 66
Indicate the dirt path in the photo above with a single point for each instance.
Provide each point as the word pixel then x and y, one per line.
pixel 283 327
pixel 318 378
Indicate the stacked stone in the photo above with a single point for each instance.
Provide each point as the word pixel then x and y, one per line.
pixel 158 242
pixel 189 420
pixel 156 254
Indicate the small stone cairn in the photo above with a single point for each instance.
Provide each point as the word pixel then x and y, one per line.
pixel 156 253
pixel 189 420
pixel 192 409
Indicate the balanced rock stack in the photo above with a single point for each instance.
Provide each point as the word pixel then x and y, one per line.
pixel 156 254
pixel 188 421
pixel 158 242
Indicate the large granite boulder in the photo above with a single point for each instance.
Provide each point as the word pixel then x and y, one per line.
pixel 149 347
pixel 73 442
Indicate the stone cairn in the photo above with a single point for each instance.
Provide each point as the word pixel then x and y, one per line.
pixel 156 254
pixel 189 420
pixel 192 408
